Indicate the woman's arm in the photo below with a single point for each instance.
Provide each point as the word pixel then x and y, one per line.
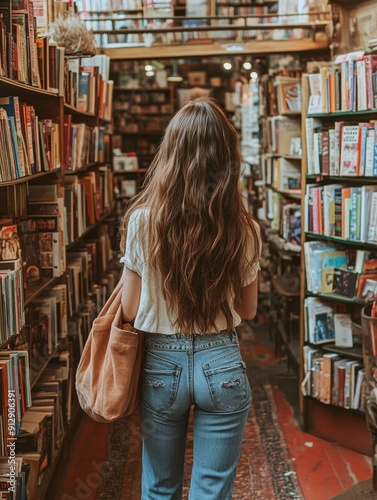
pixel 130 294
pixel 246 306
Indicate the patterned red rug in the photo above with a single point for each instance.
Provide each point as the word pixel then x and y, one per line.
pixel 265 470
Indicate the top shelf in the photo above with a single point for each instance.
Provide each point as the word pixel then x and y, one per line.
pixel 255 47
pixel 224 27
pixel 141 89
pixel 46 104
pixel 247 4
pixel 346 114
pixel 9 85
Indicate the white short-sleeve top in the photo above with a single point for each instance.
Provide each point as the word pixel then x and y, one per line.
pixel 153 315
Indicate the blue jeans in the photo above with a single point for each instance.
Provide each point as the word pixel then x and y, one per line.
pixel 207 372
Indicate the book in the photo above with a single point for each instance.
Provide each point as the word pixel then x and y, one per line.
pixel 341 378
pixel 369 153
pixel 343 330
pixel 337 367
pixel 10 246
pixel 11 105
pixel 326 377
pixel 349 151
pixel 352 367
pixel 320 320
pixel 331 259
pixel 357 393
pixel 50 259
pixel 345 282
pixel 313 263
pixel 31 259
pixel 370 71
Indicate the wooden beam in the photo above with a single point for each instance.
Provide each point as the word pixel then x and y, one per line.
pixel 266 47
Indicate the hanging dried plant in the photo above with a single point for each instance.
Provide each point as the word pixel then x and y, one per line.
pixel 70 32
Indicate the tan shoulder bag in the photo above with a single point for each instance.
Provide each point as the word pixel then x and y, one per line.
pixel 107 377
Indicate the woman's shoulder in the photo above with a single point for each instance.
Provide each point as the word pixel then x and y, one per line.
pixel 139 215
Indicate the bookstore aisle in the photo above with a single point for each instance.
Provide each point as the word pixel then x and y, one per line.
pixel 278 460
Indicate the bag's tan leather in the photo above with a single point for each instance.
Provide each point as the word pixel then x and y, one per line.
pixel 107 377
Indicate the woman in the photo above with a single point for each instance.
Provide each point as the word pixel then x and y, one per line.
pixel 192 257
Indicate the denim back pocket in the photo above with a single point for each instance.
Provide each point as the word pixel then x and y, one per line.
pixel 161 378
pixel 228 383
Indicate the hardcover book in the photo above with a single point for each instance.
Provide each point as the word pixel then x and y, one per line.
pixel 31 259
pixel 345 282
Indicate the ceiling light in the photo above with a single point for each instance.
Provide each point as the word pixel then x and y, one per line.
pixel 148 67
pixel 227 65
pixel 149 73
pixel 174 77
pixel 247 65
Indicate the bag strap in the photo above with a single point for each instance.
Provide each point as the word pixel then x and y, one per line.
pixel 113 302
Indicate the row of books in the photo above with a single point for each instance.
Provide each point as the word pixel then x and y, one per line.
pixel 126 188
pixel 281 135
pixel 288 91
pixel 19 471
pixel 124 122
pixel 59 302
pixel 47 413
pixel 25 56
pixel 12 315
pixel 84 144
pixel 37 240
pixel 86 198
pixel 15 390
pixel 52 303
pixel 145 146
pixel 330 269
pixel 334 379
pixel 40 417
pixel 45 324
pixel 88 87
pixel 108 5
pixel 44 424
pixel 281 173
pixel 342 211
pixel 139 109
pixel 346 149
pixel 166 37
pixel 349 84
pixel 28 144
pixel 64 214
pixel 19 43
pixel 234 10
pixel 327 322
pixel 284 215
pixel 142 102
pixel 150 7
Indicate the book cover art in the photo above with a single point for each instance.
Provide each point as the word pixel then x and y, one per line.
pixel 37 327
pixel 367 287
pixel 31 259
pixel 343 330
pixel 345 282
pixel 324 327
pixel 331 259
pixel 349 149
pixel 10 247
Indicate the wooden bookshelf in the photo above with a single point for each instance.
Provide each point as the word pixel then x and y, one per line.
pixel 331 421
pixel 255 48
pixel 49 105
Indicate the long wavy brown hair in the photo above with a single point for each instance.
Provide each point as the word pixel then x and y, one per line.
pixel 198 227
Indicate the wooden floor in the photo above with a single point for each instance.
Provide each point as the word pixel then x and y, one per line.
pixel 324 470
